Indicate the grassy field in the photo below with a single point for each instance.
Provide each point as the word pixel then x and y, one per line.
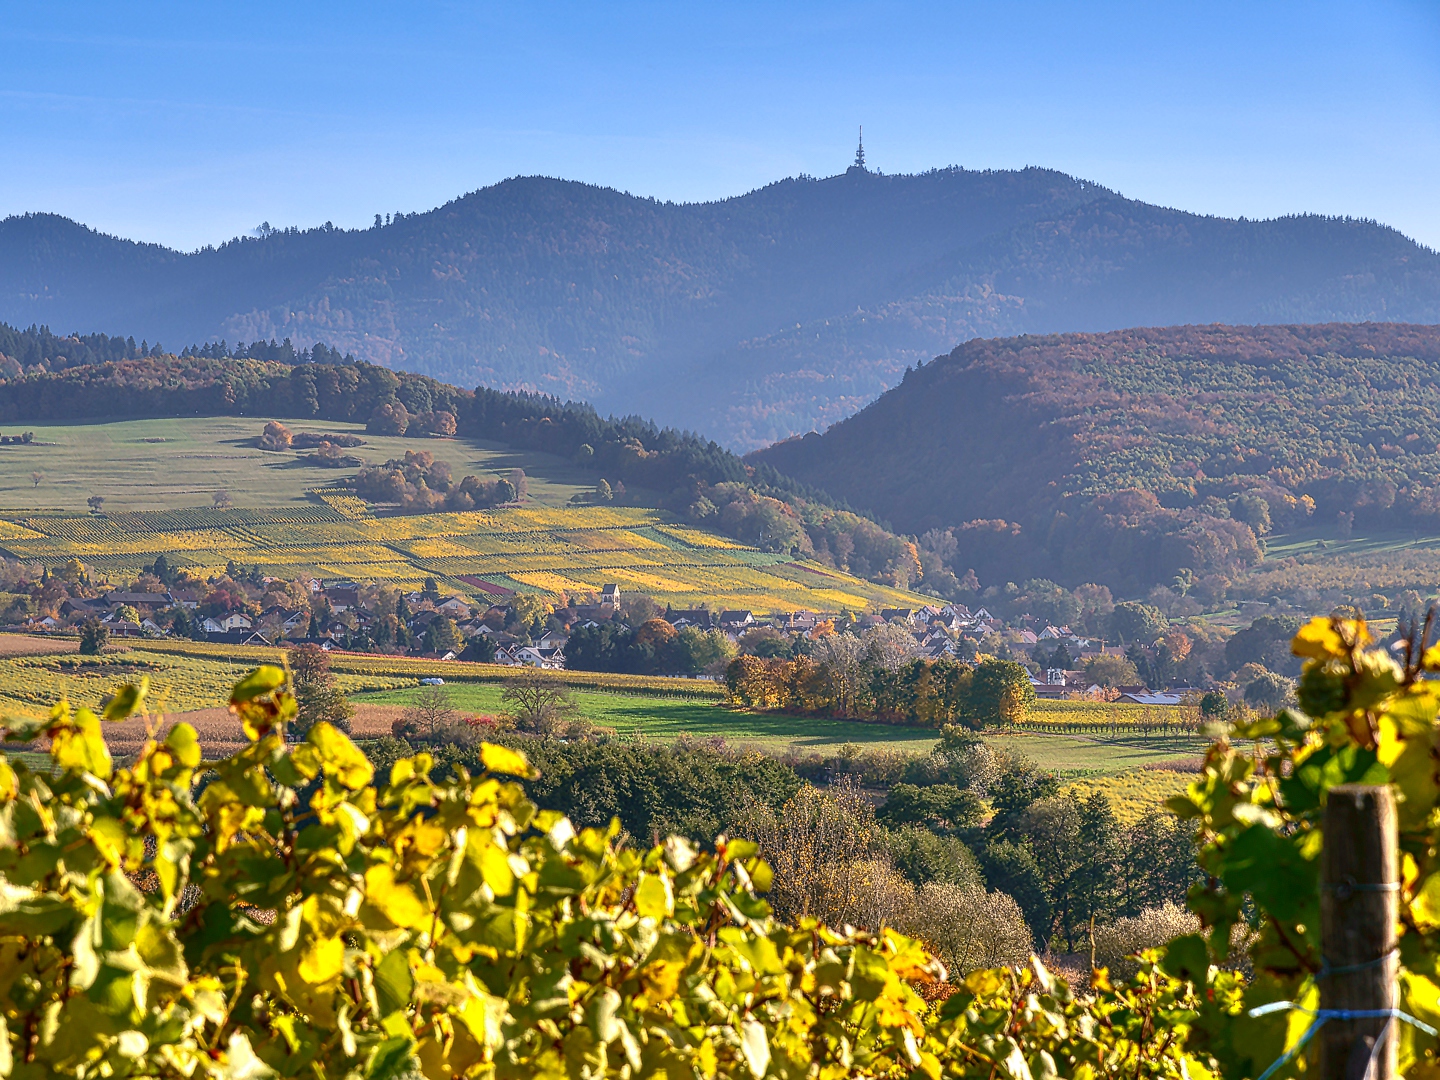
pixel 665 720
pixel 1134 794
pixel 195 680
pixel 173 463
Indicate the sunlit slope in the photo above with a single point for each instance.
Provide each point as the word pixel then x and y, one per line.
pixel 527 549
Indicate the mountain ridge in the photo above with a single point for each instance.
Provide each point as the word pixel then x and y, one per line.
pixel 750 318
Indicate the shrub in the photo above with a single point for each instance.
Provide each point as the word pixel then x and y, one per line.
pixel 1116 944
pixel 93 637
pixel 275 437
pixel 538 705
pixel 968 927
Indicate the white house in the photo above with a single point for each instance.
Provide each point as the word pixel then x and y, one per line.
pixel 236 620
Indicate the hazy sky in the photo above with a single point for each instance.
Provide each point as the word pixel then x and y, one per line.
pixel 189 123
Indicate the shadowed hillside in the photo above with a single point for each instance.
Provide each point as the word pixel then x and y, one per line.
pixel 1139 456
pixel 750 319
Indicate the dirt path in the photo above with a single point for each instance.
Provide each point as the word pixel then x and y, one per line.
pixel 220 732
pixel 34 645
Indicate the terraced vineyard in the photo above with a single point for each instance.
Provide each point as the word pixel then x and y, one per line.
pixel 528 549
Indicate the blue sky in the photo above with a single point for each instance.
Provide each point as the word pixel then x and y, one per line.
pixel 189 123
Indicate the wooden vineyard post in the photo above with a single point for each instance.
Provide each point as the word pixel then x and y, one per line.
pixel 1359 909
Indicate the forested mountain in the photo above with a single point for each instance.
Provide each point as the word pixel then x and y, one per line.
pixel 750 319
pixel 1143 456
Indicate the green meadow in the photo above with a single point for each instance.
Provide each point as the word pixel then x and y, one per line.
pixel 667 719
pixel 170 464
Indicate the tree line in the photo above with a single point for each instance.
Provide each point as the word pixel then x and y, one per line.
pixel 844 677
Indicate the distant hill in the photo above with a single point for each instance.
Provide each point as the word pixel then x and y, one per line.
pixel 749 319
pixel 1136 457
pixel 626 460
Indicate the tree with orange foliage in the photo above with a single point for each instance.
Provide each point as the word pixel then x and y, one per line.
pixel 657 633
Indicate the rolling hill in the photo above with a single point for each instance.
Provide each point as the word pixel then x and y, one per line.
pixel 158 477
pixel 750 319
pixel 1137 457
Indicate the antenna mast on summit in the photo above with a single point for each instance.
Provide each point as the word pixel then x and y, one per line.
pixel 860 151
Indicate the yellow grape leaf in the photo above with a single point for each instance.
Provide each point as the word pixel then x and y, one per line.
pixel 1319 640
pixel 893 1006
pixel 81 746
pixel 501 759
pixel 1411 764
pixel 654 898
pixel 1425 908
pixel 9 785
pixel 341 758
pixel 396 900
pixel 495 868
pixel 108 835
pixel 323 960
pixel 184 744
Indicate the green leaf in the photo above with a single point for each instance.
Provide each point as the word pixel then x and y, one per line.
pixel 1270 867
pixel 393 1058
pixel 127 700
pixel 394 982
pixel 184 744
pixel 1187 958
pixel 1329 767
pixel 263 680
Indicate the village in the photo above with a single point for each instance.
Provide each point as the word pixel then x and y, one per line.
pixel 515 629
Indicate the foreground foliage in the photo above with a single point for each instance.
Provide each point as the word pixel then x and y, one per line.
pixel 275 913
pixel 1369 718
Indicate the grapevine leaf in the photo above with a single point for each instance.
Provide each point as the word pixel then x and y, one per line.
pixel 1319 639
pixel 503 760
pixel 341 758
pixel 1188 957
pixel 395 900
pixel 127 700
pixel 756 1046
pixel 80 745
pixel 183 742
pixel 653 897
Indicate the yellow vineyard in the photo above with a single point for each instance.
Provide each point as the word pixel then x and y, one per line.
pixel 528 550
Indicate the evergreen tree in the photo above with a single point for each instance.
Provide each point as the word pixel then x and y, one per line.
pixel 441 636
pixel 93 638
pixel 317 694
